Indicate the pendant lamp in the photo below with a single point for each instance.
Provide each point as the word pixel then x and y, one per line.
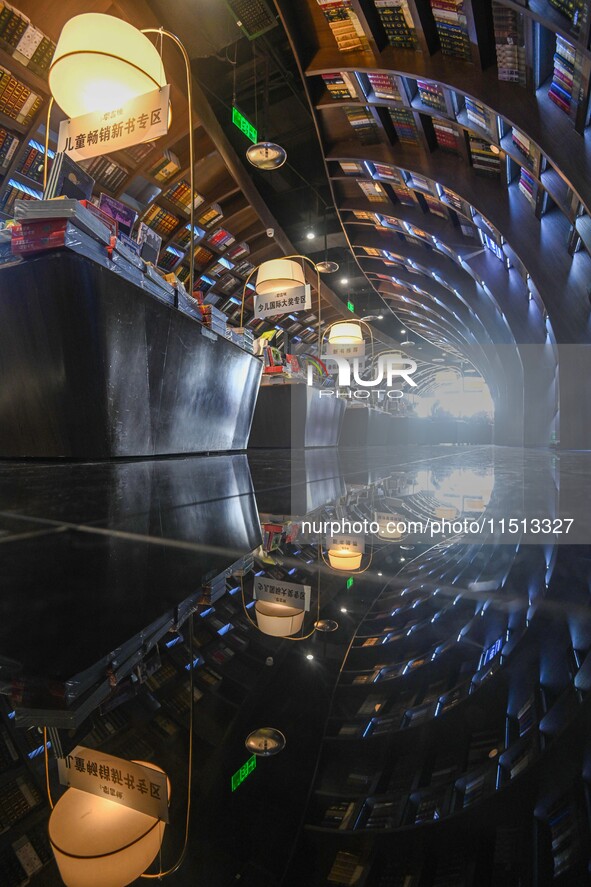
pixel 96 841
pixel 345 333
pixel 278 620
pixel 344 558
pixel 278 275
pixel 101 61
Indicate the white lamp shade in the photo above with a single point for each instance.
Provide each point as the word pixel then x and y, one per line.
pixel 344 559
pixel 345 333
pixel 278 620
pixel 278 275
pixel 96 841
pixel 100 62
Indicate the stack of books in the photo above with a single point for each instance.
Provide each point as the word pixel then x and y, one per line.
pixel 528 186
pixel 373 191
pixel 180 195
pixel 510 44
pixel 210 217
pixel 385 86
pixel 26 43
pixel 480 116
pixel 398 24
pixel 202 257
pixel 447 136
pixel 565 835
pixel 431 95
pixel 456 202
pixel 237 251
pixel 17 100
pixel 165 167
pixel 17 191
pixel 562 78
pixel 184 235
pixel 170 257
pixel 351 168
pixel 478 785
pixel 572 9
pixel 160 220
pixel 364 125
pixel 452 27
pixel 345 870
pixel 107 172
pixel 404 194
pixel 526 716
pixel 244 338
pixel 384 814
pixel 421 182
pixel 243 269
pixel 340 85
pixel 8 145
pixel 524 146
pixel 214 319
pixel 484 161
pixel 220 239
pixel 404 124
pixel 345 25
pixel 385 171
pixel 363 216
pixel 435 206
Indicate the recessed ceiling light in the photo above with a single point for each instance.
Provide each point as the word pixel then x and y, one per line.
pixel 380 574
pixel 310 235
pixel 309 656
pixel 495 150
pixel 344 281
pixel 343 609
pixel 380 316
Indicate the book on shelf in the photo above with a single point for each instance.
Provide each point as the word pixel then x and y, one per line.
pixel 385 86
pixel 373 191
pixel 180 195
pixel 8 145
pixel 484 160
pixel 24 41
pixel 447 136
pixel 119 212
pixel 480 116
pixel 431 95
pixel 404 125
pixel 340 85
pixel 338 815
pixel 160 220
pixel 526 716
pixel 363 124
pixel 509 43
pixel 210 216
pixel 574 10
pixel 68 179
pixel 397 22
pixel 452 28
pixel 528 186
pixel 165 167
pixel 106 172
pixel 150 243
pixel 17 100
pixel 345 25
pixel 346 869
pixel 561 89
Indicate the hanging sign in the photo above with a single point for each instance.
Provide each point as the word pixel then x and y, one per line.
pixel 275 591
pixel 132 785
pixel 246 769
pixel 297 299
pixel 129 123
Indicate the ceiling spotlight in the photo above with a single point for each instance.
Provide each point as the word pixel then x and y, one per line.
pixel 380 574
pixel 343 609
pixel 309 656
pixel 266 155
pixel 310 235
pixel 327 267
pixel 380 316
pixel 407 342
pixel 495 150
pixel 344 281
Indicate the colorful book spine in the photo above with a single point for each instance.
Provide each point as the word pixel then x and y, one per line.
pixel 452 28
pixel 398 23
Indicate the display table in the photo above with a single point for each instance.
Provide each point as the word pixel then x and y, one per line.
pixel 291 414
pixel 94 367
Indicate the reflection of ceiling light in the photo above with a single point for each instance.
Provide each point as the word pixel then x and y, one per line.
pixel 495 150
pixel 344 281
pixel 407 342
pixel 266 155
pixel 327 267
pixel 265 741
pixel 309 656
pixel 343 609
pixel 310 235
pixel 326 625
pixel 380 574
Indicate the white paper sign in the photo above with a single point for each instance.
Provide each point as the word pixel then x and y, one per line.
pixel 353 542
pixel 288 302
pixel 276 591
pixel 114 779
pixel 129 123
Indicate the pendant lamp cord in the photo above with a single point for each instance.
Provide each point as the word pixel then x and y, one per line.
pixel 46 155
pixel 49 798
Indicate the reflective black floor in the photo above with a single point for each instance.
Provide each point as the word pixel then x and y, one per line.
pixel 452 696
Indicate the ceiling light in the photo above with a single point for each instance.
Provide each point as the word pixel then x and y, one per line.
pixel 310 235
pixel 326 625
pixel 380 574
pixel 495 150
pixel 343 609
pixel 344 281
pixel 265 741
pixel 327 267
pixel 380 316
pixel 309 656
pixel 266 155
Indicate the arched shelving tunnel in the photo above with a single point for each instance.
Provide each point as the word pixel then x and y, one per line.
pixel 527 296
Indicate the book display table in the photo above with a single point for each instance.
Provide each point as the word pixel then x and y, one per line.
pixel 293 414
pixel 93 367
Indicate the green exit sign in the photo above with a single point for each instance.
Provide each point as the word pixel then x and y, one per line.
pixel 350 306
pixel 350 581
pixel 244 126
pixel 244 771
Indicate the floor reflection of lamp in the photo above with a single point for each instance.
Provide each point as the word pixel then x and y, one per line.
pixel 265 742
pixel 96 841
